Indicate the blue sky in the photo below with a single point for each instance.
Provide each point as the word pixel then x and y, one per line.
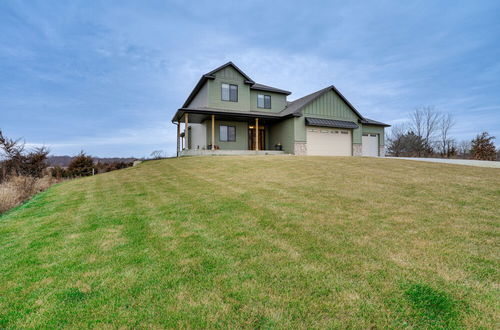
pixel 107 76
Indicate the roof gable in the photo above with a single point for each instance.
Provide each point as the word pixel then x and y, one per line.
pixel 296 107
pixel 246 79
pixel 211 74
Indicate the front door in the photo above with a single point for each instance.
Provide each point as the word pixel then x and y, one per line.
pixel 251 138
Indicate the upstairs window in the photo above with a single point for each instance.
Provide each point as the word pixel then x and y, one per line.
pixel 264 101
pixel 229 92
pixel 227 133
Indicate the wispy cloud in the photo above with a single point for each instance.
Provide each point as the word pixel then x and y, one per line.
pixel 107 79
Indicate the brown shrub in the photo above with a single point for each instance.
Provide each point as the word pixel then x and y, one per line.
pixel 17 189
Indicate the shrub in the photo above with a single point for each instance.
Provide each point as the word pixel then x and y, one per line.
pixel 18 161
pixel 483 147
pixel 59 172
pixel 81 165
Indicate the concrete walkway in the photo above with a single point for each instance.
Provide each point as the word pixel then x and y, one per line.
pixel 469 162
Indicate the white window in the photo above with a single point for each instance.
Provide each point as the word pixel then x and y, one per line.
pixel 227 133
pixel 264 101
pixel 229 92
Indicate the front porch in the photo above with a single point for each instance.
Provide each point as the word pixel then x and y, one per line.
pixel 212 133
pixel 202 152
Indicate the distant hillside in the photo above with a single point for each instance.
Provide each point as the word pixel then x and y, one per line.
pixel 65 160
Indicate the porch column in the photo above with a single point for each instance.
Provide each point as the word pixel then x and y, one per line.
pixel 186 131
pixel 178 136
pixel 213 132
pixel 257 134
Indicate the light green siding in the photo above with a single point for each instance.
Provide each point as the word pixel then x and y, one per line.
pixel 375 130
pixel 230 76
pixel 201 99
pixel 241 142
pixel 282 132
pixel 299 127
pixel 278 101
pixel 329 106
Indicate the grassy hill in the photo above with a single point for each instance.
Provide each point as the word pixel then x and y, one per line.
pixel 257 242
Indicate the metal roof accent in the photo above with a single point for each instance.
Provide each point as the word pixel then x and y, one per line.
pixel 330 123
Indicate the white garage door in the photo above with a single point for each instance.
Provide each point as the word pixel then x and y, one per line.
pixel 326 141
pixel 370 145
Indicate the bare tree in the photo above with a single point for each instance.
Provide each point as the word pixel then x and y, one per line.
pixel 447 145
pixel 464 148
pixel 424 122
pixel 157 154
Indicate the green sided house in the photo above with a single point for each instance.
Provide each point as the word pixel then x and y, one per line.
pixel 229 113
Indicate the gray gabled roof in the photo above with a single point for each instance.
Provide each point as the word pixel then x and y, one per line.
pixel 217 111
pixel 261 87
pixel 295 107
pixel 248 80
pixel 368 121
pixel 210 75
pixel 330 123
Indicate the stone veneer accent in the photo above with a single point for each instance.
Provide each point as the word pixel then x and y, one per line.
pixel 381 151
pixel 300 148
pixel 357 149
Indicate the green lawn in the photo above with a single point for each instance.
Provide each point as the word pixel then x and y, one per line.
pixel 257 242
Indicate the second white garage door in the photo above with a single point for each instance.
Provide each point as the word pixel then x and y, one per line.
pixel 370 145
pixel 325 141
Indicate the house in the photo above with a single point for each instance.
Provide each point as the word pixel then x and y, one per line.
pixel 229 113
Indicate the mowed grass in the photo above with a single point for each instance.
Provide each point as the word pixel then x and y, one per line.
pixel 285 242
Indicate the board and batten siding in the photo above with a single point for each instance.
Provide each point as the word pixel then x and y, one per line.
pixel 328 106
pixel 228 75
pixel 278 101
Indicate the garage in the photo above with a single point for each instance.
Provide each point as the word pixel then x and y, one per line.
pixel 370 145
pixel 327 141
pixel 329 137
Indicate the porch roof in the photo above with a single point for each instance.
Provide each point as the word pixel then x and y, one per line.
pixel 198 115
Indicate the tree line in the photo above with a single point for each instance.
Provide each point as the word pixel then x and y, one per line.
pixel 25 172
pixel 16 160
pixel 427 133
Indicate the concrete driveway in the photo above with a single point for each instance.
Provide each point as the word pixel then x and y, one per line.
pixel 469 162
